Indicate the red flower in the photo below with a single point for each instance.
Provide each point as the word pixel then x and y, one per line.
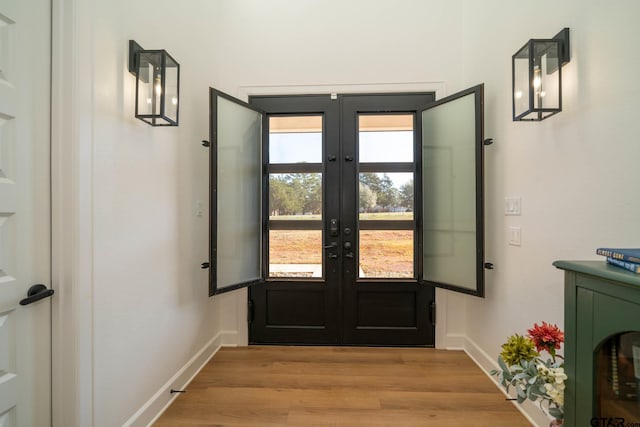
pixel 546 337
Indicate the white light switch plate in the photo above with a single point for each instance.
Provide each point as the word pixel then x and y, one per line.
pixel 515 238
pixel 512 205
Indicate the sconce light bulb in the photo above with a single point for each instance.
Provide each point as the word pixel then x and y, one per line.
pixel 174 100
pixel 542 94
pixel 157 86
pixel 537 81
pixel 518 94
pixel 148 100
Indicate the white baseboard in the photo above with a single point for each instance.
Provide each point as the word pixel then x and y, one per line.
pixel 485 362
pixel 160 401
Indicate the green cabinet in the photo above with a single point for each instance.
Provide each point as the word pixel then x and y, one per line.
pixel 601 302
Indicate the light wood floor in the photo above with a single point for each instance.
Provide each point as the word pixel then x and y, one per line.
pixel 341 386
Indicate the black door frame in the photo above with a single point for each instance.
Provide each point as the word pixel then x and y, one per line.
pixel 421 295
pixel 323 294
pixel 341 326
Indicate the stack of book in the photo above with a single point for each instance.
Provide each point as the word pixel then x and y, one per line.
pixel 629 259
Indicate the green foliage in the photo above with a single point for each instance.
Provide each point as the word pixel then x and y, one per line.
pixel 301 193
pixel 406 195
pixel 296 193
pixel 387 196
pixel 536 380
pixel 530 376
pixel 367 198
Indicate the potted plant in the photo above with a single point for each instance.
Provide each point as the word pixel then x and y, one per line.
pixel 532 376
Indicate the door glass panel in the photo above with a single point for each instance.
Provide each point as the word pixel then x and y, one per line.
pixel 386 146
pixel 239 186
pixel 385 138
pixel 450 236
pixel 295 196
pixel 386 254
pixel 295 139
pixel 385 196
pixel 295 253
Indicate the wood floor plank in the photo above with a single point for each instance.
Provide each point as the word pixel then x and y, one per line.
pixel 340 386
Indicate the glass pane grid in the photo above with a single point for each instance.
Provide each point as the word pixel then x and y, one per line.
pixel 295 197
pixel 386 145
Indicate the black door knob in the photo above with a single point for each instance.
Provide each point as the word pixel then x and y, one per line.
pixel 36 293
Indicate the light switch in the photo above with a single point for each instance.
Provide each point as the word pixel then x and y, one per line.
pixel 515 236
pixel 512 205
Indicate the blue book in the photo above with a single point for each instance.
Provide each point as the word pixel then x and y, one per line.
pixel 631 266
pixel 630 255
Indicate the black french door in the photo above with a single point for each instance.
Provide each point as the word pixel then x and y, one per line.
pixel 357 283
pixel 347 213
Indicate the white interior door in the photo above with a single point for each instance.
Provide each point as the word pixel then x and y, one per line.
pixel 25 249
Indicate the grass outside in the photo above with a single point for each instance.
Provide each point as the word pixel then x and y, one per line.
pixel 384 253
pixel 363 216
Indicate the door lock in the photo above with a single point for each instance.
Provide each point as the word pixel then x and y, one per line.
pixel 347 245
pixel 333 227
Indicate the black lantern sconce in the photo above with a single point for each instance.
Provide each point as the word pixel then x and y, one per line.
pixel 157 85
pixel 537 77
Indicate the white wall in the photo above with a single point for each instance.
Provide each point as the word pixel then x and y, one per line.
pixel 575 172
pixel 152 312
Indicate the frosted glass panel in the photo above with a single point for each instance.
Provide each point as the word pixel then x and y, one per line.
pixel 239 192
pixel 449 193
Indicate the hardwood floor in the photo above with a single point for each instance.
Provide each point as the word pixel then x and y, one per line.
pixel 340 386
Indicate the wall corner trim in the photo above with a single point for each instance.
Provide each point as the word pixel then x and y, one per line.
pixel 162 399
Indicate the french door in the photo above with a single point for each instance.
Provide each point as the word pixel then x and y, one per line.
pixel 319 201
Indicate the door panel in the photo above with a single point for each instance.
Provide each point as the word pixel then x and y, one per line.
pixel 452 188
pixel 299 301
pixel 354 294
pixel 383 302
pixel 25 331
pixel 235 203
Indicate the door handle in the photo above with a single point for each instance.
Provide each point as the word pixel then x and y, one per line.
pixel 36 293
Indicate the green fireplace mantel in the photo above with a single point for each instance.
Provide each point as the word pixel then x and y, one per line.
pixel 601 300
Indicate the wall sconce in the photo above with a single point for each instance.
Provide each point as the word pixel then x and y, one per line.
pixel 537 77
pixel 157 85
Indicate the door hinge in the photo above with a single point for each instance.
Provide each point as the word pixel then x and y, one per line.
pixel 250 311
pixel 432 313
